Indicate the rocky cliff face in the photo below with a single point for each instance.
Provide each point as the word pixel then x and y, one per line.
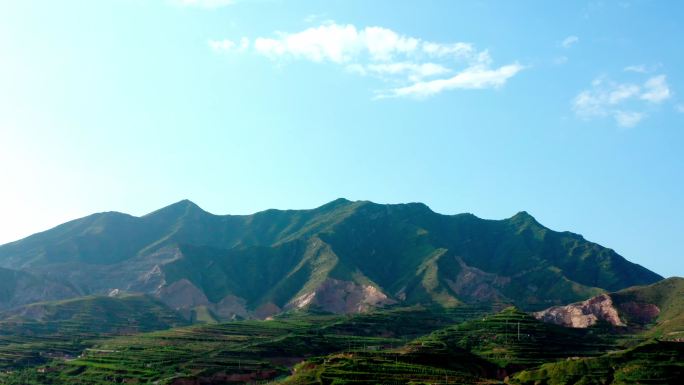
pixel 582 314
pixel 601 308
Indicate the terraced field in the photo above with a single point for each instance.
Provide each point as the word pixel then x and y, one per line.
pixel 513 339
pixel 414 345
pixel 35 334
pixel 240 351
pixel 483 350
pixel 390 368
pixel 653 362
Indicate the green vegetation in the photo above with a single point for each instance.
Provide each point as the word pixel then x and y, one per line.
pixel 407 252
pixel 245 350
pixel 389 368
pixel 37 333
pixel 658 307
pixel 481 350
pixel 654 362
pixel 513 339
pixel 450 282
pixel 414 345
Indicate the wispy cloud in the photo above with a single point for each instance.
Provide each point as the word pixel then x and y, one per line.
pixel 624 102
pixel 680 108
pixel 226 45
pixel 413 66
pixel 206 3
pixel 628 119
pixel 643 68
pixel 471 78
pixel 317 18
pixel 569 41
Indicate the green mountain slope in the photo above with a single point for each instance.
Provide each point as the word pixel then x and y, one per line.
pixel 341 257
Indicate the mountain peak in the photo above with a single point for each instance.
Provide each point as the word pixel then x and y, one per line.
pixel 176 209
pixel 523 214
pixel 185 203
pixel 523 217
pixel 336 203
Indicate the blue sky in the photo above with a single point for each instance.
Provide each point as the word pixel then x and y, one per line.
pixel 571 111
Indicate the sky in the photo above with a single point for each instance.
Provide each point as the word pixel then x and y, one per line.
pixel 572 111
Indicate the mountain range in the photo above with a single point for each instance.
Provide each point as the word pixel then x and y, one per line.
pixel 342 257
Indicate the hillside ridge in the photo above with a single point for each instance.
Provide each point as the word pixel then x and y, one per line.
pixel 343 256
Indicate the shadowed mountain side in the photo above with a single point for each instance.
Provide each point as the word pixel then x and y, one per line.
pixel 19 287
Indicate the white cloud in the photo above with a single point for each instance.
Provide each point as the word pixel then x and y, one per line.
pixel 569 41
pixel 338 44
pixel 656 89
pixel 624 102
pixel 414 66
pixel 470 78
pixel 622 92
pixel 206 3
pixel 628 119
pixel 415 72
pixel 637 68
pixel 680 108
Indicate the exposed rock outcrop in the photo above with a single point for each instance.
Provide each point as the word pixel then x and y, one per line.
pixel 182 294
pixel 641 313
pixel 342 297
pixel 476 285
pixel 582 314
pixel 267 310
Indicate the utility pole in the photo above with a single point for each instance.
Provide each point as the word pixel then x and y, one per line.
pixel 518 331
